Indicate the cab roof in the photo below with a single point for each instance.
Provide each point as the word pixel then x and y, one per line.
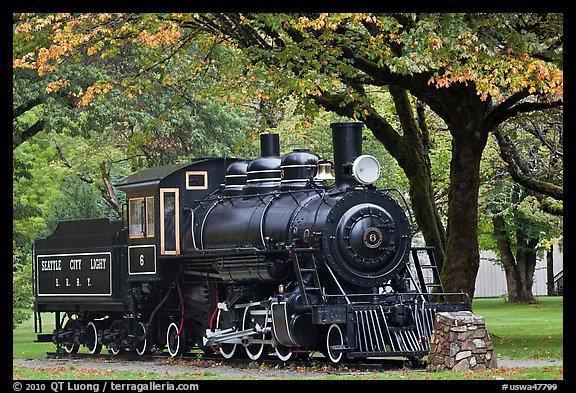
pixel 150 176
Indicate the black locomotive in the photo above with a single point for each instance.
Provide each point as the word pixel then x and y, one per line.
pixel 246 258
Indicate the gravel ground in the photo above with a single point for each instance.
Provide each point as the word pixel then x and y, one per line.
pixel 215 369
pixel 218 369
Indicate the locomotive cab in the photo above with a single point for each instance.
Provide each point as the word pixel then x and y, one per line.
pixel 159 203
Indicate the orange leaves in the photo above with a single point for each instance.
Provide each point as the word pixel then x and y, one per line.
pixel 92 50
pixel 333 20
pixel 35 22
pixel 435 43
pixel 510 74
pixel 62 37
pixel 56 85
pixel 164 36
pixel 47 58
pixel 25 62
pixel 330 21
pixel 98 88
pixel 305 22
pixel 550 78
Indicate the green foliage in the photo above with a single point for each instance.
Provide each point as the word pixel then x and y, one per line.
pixel 77 200
pixel 21 285
pixel 500 195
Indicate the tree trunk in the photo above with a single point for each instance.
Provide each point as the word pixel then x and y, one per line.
pixel 550 271
pixel 462 251
pixel 108 191
pixel 507 258
pixel 412 155
pixel 425 212
pixel 519 270
pixel 408 149
pixel 526 262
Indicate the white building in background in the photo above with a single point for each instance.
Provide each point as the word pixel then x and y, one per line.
pixel 491 279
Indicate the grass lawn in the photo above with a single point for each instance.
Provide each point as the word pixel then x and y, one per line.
pixel 532 331
pixel 23 345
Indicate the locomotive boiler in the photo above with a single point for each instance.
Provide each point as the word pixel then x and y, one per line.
pixel 269 256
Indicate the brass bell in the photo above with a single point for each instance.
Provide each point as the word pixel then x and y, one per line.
pixel 324 172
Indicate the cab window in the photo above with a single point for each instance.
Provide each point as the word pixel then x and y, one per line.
pixel 149 216
pixel 141 217
pixel 136 217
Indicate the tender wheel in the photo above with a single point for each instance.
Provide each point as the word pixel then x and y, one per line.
pixel 254 351
pixel 283 353
pixel 334 337
pixel 116 349
pixel 174 341
pixel 91 341
pixel 227 350
pixel 71 348
pixel 115 337
pixel 72 326
pixel 142 345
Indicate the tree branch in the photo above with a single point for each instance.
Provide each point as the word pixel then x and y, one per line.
pixel 85 178
pixel 520 172
pixel 510 108
pixel 108 191
pixel 27 134
pixel 555 208
pixel 26 106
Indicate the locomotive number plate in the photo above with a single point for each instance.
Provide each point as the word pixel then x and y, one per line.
pixel 141 260
pixel 84 274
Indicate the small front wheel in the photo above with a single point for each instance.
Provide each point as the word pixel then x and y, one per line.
pixel 334 338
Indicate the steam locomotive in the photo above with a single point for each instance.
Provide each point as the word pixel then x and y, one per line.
pixel 273 256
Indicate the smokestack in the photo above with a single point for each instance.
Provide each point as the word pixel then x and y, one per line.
pixel 269 145
pixel 347 145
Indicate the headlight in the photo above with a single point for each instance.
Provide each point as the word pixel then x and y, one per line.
pixel 365 169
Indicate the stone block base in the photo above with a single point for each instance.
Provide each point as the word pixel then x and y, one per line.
pixel 460 342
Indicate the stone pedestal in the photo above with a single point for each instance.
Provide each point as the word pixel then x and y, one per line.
pixel 460 342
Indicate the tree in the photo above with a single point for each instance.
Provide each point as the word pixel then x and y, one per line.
pixel 519 229
pixel 516 225
pixel 475 71
pixel 153 112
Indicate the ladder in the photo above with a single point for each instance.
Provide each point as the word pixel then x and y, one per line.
pixel 428 287
pixel 308 266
